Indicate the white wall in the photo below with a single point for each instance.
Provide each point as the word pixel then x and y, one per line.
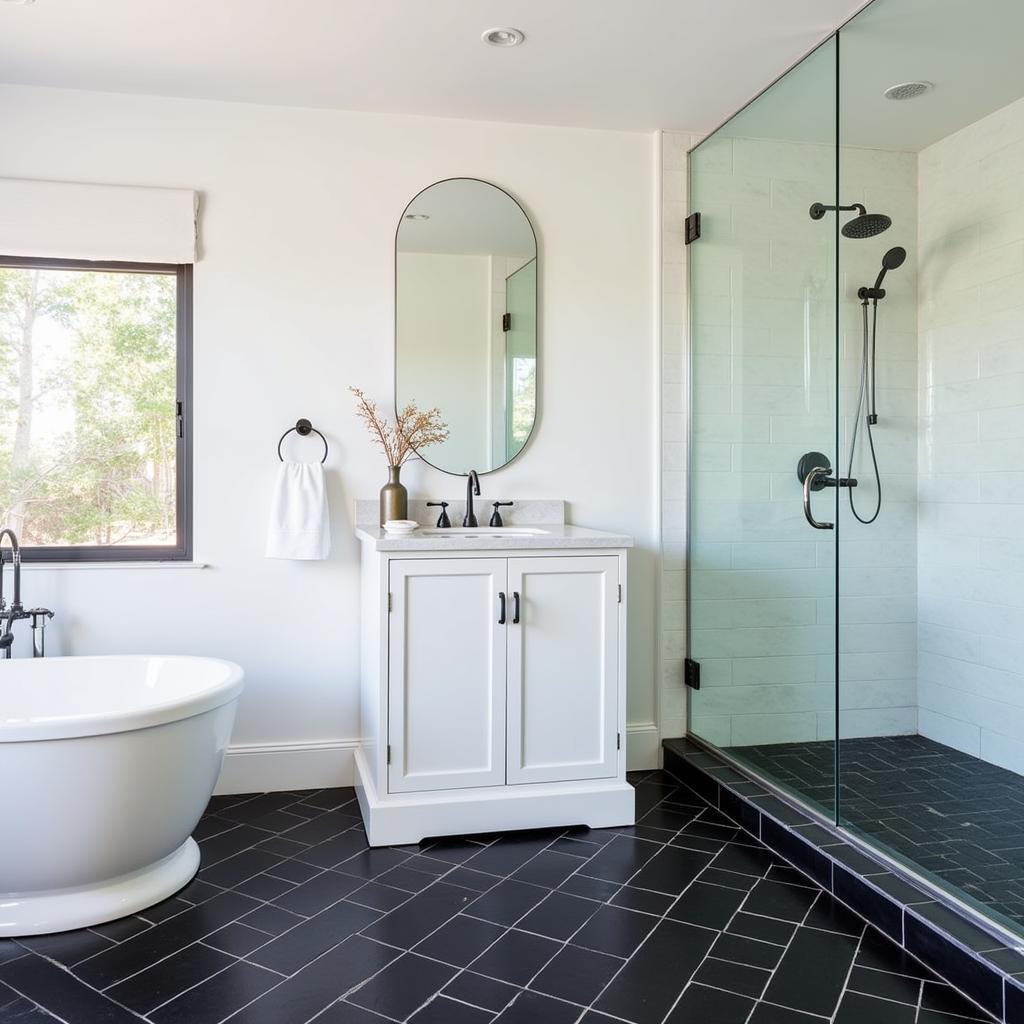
pixel 294 299
pixel 971 573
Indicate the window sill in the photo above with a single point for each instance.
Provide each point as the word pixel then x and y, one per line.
pixel 162 566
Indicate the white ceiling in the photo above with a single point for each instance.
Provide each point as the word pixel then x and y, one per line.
pixel 625 64
pixel 970 50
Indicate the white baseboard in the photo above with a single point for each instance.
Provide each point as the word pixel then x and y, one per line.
pixel 269 767
pixel 320 764
pixel 643 747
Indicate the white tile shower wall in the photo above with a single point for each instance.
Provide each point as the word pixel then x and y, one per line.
pixel 762 589
pixel 675 387
pixel 878 689
pixel 971 490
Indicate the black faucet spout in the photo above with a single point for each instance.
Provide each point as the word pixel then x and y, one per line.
pixel 16 562
pixel 472 487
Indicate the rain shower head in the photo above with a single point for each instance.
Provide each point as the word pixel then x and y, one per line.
pixel 867 225
pixel 864 225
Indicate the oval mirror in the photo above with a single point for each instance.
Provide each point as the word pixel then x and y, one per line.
pixel 466 321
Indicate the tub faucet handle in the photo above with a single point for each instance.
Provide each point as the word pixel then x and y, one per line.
pixel 39 617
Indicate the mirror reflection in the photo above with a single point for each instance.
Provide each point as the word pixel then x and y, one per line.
pixel 466 320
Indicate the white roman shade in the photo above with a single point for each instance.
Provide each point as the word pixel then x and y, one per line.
pixel 67 220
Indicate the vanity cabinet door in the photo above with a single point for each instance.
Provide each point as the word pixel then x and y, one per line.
pixel 563 668
pixel 446 674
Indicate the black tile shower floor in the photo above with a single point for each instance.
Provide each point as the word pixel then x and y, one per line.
pixel 683 918
pixel 956 816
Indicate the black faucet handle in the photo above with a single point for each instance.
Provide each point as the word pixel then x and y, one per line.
pixel 443 522
pixel 496 519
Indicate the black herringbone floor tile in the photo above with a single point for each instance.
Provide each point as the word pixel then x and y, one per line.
pixel 951 814
pixel 683 918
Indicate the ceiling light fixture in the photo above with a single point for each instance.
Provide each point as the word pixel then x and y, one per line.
pixel 907 90
pixel 503 37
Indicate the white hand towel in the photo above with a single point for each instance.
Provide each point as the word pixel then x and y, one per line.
pixel 300 525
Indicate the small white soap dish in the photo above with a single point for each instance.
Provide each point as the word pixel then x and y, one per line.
pixel 400 527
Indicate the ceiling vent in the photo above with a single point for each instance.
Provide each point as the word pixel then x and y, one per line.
pixel 907 90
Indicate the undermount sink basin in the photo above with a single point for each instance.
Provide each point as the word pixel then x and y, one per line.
pixel 482 531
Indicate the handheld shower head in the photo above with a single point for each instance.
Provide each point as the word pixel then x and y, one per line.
pixel 892 260
pixel 894 257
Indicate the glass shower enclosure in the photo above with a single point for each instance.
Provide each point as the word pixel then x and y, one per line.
pixel 856 523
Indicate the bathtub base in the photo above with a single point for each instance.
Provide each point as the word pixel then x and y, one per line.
pixel 62 910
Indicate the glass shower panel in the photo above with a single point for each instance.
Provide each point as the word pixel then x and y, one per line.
pixel 762 590
pixel 931 573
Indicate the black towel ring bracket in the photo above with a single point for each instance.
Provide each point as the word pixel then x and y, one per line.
pixel 303 428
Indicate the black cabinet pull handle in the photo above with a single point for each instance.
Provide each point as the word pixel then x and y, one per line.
pixel 515 606
pixel 501 608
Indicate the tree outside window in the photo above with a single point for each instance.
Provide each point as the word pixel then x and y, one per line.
pixel 90 381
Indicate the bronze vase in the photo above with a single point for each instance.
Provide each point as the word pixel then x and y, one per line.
pixel 394 498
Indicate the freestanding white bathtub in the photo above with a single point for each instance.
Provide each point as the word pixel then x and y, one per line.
pixel 106 765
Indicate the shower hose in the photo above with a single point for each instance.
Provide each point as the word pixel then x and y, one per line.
pixel 866 397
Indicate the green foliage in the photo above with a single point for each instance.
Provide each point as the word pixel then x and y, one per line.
pixel 98 349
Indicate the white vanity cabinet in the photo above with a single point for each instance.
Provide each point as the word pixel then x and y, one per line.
pixel 493 689
pixel 562 679
pixel 447 656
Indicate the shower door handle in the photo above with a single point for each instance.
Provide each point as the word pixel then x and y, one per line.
pixel 809 480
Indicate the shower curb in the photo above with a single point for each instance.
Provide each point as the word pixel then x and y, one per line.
pixel 972 959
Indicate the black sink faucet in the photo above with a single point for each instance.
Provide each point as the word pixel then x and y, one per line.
pixel 472 487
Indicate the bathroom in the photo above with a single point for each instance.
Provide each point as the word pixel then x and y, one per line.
pixel 677 386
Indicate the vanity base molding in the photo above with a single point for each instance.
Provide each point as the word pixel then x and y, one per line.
pixel 408 818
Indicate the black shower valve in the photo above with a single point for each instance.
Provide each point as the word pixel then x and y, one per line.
pixel 812 460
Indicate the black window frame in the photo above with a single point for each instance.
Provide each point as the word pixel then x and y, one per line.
pixel 181 550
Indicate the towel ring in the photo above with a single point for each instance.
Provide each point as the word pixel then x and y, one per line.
pixel 303 428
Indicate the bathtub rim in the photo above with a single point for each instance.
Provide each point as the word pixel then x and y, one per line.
pixel 112 722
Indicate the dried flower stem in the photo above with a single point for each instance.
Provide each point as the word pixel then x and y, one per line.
pixel 412 430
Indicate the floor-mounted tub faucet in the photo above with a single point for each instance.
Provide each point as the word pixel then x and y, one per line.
pixel 9 614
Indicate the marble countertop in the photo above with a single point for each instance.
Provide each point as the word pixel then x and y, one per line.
pixel 555 536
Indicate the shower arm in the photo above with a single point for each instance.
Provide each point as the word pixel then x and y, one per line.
pixel 818 210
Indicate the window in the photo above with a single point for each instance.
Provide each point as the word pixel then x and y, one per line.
pixel 95 388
